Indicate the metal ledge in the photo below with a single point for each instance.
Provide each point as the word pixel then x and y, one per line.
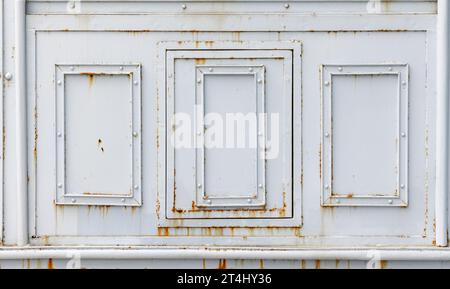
pixel 127 253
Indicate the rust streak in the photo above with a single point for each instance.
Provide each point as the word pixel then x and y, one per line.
pixel 222 264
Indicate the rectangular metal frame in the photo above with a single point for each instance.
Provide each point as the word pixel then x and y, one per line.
pixel 330 199
pixel 291 52
pixel 258 197
pixel 78 198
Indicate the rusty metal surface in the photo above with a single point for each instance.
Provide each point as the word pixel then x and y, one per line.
pixel 348 172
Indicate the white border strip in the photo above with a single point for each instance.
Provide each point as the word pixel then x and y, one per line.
pixel 248 254
pixel 21 122
pixel 442 126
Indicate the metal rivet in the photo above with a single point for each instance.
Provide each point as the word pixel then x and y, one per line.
pixel 390 202
pixel 199 186
pixel 259 80
pixel 327 135
pixel 60 186
pixel 210 69
pixel 327 83
pixel 338 201
pixel 199 80
pixel 136 187
pixel 260 133
pixel 73 201
pixel 340 69
pixel 59 82
pixel 121 68
pixel 327 187
pixel 286 5
pixel 249 201
pixel 72 5
pixel 136 82
pixel 403 134
pixel 260 186
pixel 72 68
pixel 390 68
pixel 59 134
pixel 402 186
pixel 250 69
pixel 8 76
pixel 122 200
pixel 208 202
pixel 183 6
pixel 404 83
pixel 199 133
pixel 135 134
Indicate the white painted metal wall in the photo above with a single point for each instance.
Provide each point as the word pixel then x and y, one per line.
pixel 89 166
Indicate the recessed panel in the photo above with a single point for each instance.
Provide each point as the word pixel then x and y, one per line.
pixel 98 128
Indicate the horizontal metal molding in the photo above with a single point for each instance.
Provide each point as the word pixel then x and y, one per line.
pixel 231 7
pixel 126 253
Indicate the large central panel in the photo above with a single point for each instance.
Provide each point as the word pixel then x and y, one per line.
pixel 229 147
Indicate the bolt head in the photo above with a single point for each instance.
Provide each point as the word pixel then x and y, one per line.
pixel 73 201
pixel 327 83
pixel 183 6
pixel 8 76
pixel 287 5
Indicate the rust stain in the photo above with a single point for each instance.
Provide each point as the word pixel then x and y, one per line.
pixel 45 240
pixel 383 264
pixel 158 207
pixel 222 264
pixel 261 264
pixel 36 135
pixel 204 263
pixel 200 61
pixel 317 264
pixel 50 264
pixel 163 232
pixel 303 264
pixel 337 264
pixel 91 79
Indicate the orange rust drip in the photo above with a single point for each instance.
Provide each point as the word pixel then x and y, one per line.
pixel 222 264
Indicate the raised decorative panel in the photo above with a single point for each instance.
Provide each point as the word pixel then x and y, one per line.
pixel 98 132
pixel 365 135
pixel 212 183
